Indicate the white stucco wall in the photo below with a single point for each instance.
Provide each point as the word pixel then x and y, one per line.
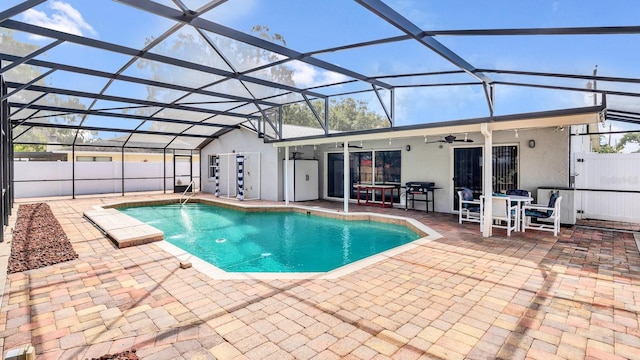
pixel 547 164
pixel 246 141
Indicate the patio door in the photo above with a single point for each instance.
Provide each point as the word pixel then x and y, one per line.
pixel 467 170
pixel 360 171
pixel 365 167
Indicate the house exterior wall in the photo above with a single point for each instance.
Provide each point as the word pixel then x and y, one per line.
pixel 547 164
pixel 240 141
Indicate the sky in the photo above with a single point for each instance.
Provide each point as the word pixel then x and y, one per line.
pixel 313 25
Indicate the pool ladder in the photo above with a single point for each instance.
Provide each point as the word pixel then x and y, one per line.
pixel 184 194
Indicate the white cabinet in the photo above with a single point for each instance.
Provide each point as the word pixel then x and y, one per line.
pixel 567 206
pixel 303 180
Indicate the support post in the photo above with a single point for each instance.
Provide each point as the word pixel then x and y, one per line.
pixel 122 175
pixel 286 175
pixel 73 171
pixel 347 177
pixel 487 179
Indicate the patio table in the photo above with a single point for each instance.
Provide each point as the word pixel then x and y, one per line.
pixel 370 189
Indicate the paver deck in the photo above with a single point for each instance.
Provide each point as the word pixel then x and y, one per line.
pixel 530 296
pixel 124 230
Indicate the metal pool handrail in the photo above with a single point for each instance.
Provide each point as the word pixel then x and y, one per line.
pixel 191 185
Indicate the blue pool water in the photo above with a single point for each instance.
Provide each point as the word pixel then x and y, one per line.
pixel 238 241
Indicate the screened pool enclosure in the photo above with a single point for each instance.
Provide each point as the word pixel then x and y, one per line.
pixel 119 96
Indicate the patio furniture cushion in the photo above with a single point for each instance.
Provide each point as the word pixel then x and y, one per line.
pixel 552 203
pixel 518 192
pixel 467 195
pixel 536 213
pixel 543 214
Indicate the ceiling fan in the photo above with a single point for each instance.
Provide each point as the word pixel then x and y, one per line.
pixel 450 139
pixel 341 146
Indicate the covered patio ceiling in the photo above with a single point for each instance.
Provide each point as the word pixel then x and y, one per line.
pixel 177 74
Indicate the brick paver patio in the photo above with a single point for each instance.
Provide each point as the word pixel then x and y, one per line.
pixel 531 296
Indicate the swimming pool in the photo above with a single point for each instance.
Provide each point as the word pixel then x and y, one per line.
pixel 239 241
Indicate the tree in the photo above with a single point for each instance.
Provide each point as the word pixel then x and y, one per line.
pixel 630 138
pixel 40 135
pixel 344 115
pixel 192 47
pixel 626 139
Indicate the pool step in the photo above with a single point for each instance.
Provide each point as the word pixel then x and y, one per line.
pixel 124 230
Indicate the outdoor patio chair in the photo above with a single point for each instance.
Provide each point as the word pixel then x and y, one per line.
pixel 504 215
pixel 543 214
pixel 518 192
pixel 468 207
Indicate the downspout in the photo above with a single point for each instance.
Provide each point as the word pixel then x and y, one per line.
pixel 487 181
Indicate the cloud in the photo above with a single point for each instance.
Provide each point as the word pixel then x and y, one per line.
pixel 305 75
pixel 63 18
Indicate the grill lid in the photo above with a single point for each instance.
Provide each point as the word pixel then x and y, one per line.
pixel 419 186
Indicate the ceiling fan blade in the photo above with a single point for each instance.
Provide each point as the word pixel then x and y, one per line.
pixel 350 146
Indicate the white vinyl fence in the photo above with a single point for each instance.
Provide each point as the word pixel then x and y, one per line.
pixel 54 178
pixel 608 186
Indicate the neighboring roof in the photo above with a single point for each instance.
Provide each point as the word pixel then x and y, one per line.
pixel 177 74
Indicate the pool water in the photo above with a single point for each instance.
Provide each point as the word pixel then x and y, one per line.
pixel 238 241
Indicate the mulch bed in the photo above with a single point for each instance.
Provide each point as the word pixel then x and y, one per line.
pixel 38 240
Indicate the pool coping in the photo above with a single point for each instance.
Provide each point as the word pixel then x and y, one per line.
pixel 214 272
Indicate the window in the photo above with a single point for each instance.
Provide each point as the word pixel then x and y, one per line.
pixel 93 158
pixel 387 167
pixel 212 166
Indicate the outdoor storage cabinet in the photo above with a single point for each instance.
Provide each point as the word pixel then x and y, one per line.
pixel 302 180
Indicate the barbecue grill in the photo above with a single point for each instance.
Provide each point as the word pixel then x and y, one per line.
pixel 421 189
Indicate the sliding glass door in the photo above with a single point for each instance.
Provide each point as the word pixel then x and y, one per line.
pixel 467 170
pixel 363 169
